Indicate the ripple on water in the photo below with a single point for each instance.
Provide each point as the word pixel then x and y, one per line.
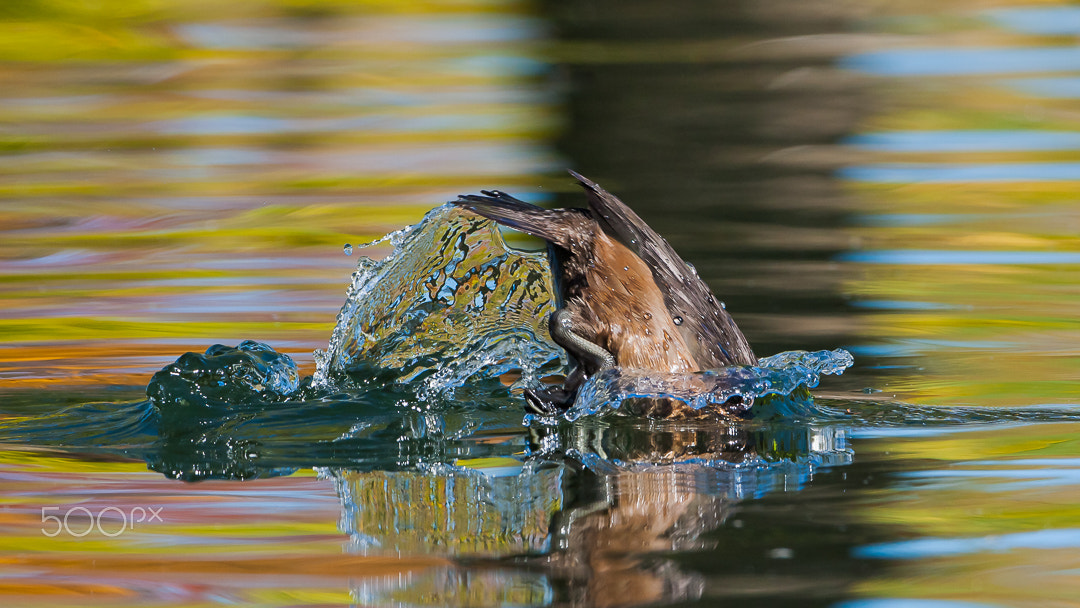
pixel 1041 20
pixel 952 61
pixel 924 548
pixel 950 257
pixel 966 141
pixel 1062 87
pixel 938 173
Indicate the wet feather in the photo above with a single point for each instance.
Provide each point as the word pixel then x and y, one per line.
pixel 626 288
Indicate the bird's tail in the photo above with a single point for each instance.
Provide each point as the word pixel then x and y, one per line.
pixel 558 226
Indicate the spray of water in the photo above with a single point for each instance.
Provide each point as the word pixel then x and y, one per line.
pixel 450 302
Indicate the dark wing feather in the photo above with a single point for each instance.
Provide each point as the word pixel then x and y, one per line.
pixel 715 340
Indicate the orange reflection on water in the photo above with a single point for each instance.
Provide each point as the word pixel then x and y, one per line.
pixel 267 541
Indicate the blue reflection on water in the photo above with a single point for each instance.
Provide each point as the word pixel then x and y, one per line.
pixel 902 173
pixel 934 257
pixel 1065 87
pixel 83 102
pixel 997 479
pixel 436 30
pixel 487 95
pixel 911 348
pixel 921 432
pixel 966 141
pixel 220 36
pixel 1049 20
pixel 500 65
pixel 213 157
pixel 246 124
pixel 947 61
pixel 916 219
pixel 904 305
pixel 896 602
pixel 925 548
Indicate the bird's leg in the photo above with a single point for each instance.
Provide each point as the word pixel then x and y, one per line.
pixel 593 357
pixel 590 357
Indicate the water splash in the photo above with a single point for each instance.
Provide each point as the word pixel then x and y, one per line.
pixel 224 374
pixel 781 374
pixel 451 301
pixel 412 377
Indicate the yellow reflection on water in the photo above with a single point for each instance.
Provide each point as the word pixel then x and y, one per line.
pixel 72 527
pixel 967 260
pixel 988 515
pixel 182 173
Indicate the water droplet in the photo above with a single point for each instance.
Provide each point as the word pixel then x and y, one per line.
pixel 677 320
pixel 647 316
pixel 348 249
pixel 723 306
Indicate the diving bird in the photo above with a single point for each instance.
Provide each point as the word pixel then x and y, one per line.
pixel 624 298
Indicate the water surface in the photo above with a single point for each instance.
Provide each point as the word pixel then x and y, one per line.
pixel 896 180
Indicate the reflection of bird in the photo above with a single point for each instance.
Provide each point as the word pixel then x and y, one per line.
pixel 625 298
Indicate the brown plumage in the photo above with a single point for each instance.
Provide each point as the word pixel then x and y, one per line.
pixel 625 289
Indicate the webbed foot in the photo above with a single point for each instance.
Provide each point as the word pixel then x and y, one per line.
pixel 548 401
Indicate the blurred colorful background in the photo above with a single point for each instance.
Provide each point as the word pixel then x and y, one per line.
pixel 900 179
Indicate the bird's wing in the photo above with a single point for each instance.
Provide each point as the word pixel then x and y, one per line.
pixel 715 339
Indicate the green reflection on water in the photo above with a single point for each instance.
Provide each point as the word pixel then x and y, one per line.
pixel 163 190
pixel 167 152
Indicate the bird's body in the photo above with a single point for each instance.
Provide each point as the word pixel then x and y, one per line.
pixel 625 297
pixel 614 301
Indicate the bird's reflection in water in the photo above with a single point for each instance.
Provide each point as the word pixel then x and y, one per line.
pixel 591 517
